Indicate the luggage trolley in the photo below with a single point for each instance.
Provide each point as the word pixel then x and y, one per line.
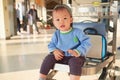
pixel 98 58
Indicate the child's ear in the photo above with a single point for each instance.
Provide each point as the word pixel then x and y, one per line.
pixel 71 19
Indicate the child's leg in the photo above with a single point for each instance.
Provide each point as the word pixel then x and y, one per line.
pixel 42 76
pixel 47 64
pixel 74 77
pixel 76 64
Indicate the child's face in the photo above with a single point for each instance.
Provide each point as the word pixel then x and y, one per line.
pixel 62 19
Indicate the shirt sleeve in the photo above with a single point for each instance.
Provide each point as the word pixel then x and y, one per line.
pixel 52 44
pixel 37 15
pixel 29 12
pixel 85 43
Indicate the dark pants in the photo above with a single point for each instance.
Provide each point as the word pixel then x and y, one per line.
pixel 24 23
pixel 75 64
pixel 35 23
pixel 18 25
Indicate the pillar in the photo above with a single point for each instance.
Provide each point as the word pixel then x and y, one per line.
pixel 4 20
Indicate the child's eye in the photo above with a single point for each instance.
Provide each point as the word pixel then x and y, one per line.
pixel 57 19
pixel 65 18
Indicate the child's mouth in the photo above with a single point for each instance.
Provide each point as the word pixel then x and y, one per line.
pixel 62 26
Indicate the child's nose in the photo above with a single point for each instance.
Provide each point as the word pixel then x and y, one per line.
pixel 62 21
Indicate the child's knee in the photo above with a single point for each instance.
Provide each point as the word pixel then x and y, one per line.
pixel 77 61
pixel 50 58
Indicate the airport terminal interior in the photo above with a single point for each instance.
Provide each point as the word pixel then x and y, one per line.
pixel 22 52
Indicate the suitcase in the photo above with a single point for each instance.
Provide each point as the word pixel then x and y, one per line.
pixel 98 50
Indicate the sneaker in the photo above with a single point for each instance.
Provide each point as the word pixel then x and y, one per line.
pixel 118 48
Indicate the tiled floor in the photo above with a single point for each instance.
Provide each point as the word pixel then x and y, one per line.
pixel 21 57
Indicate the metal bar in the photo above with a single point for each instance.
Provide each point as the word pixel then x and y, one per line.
pixel 51 74
pixel 105 71
pixel 104 74
pixel 114 33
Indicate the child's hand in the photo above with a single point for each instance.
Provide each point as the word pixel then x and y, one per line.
pixel 73 53
pixel 58 54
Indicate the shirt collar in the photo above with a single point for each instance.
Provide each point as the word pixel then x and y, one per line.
pixel 65 32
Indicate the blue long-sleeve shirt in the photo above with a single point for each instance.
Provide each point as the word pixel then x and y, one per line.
pixel 75 39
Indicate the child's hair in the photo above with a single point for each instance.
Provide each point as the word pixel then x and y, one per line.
pixel 63 6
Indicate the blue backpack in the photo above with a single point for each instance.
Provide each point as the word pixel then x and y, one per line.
pixel 97 33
